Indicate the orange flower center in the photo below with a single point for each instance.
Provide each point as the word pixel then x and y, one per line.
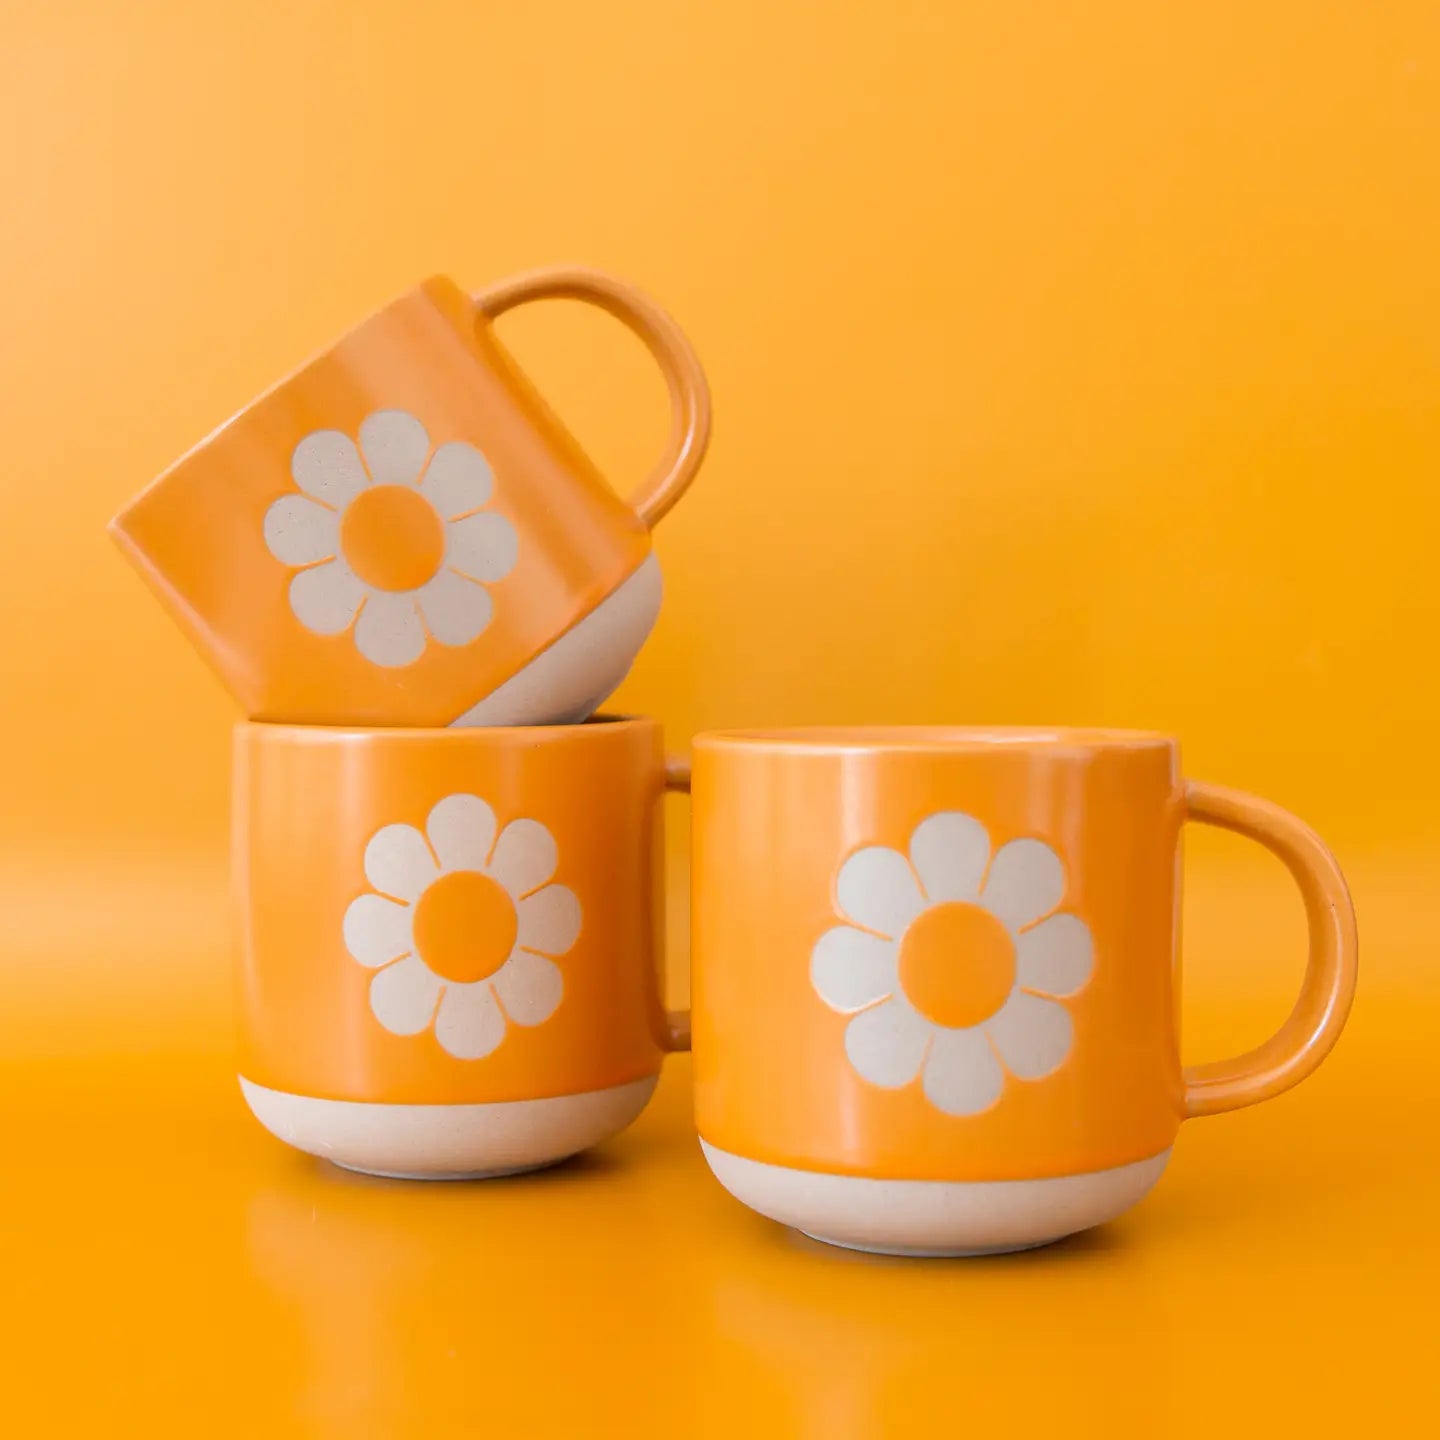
pixel 465 926
pixel 957 964
pixel 392 537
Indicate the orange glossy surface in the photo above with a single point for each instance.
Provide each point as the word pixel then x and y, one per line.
pixel 778 827
pixel 207 539
pixel 346 841
pixel 166 1268
pixel 465 926
pixel 1331 971
pixel 391 538
pixel 813 983
pixel 939 989
pixel 671 351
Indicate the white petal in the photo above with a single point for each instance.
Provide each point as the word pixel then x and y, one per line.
pixel 549 920
pixel 456 610
pixel 525 857
pixel 457 480
pixel 300 532
pixel 529 987
pixel 395 446
pixel 403 997
pixel 484 546
pixel 389 631
pixel 850 968
pixel 950 851
pixel 398 862
pixel 462 830
pixel 1025 882
pixel 326 598
pixel 962 1075
pixel 1032 1035
pixel 469 1024
pixel 1056 957
pixel 876 889
pixel 886 1045
pixel 377 930
pixel 327 466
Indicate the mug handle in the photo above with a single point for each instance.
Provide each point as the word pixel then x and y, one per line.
pixel 1314 1025
pixel 689 391
pixel 677 1022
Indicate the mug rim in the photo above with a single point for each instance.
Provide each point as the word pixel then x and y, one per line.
pixel 592 727
pixel 931 739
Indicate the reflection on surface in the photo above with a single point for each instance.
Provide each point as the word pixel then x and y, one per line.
pixel 862 1346
pixel 441 1299
pixel 167 1267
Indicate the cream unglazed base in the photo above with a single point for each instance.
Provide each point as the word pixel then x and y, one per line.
pixel 448 1142
pixel 567 681
pixel 933 1217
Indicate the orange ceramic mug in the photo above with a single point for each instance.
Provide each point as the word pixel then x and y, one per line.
pixel 403 533
pixel 448 939
pixel 936 977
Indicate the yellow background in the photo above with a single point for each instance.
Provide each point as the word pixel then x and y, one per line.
pixel 1072 363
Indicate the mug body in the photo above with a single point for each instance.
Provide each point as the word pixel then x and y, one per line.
pixel 401 533
pixel 447 940
pixel 935 979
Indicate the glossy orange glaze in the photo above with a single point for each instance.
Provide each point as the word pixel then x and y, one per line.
pixel 199 534
pixel 551 866
pixel 1068 1008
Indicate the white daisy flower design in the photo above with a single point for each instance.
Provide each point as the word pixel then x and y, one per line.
pixel 462 928
pixel 391 537
pixel 952 962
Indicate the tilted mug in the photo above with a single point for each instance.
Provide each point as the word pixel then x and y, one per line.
pixel 403 533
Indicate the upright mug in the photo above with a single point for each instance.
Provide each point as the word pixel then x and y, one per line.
pixel 403 533
pixel 936 977
pixel 448 940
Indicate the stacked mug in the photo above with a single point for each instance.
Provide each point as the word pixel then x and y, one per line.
pixel 935 969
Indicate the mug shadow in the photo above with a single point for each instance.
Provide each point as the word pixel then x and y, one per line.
pixel 1104 1241
pixel 574 1169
